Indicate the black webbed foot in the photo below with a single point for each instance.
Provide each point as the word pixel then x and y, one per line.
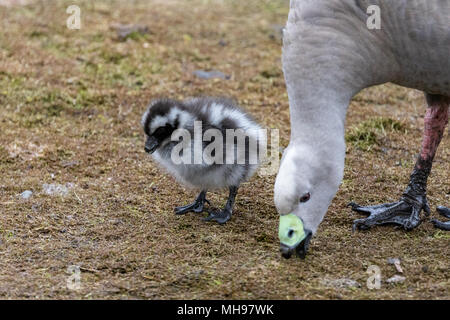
pixel 193 207
pixel 221 216
pixel 224 215
pixel 439 224
pixel 405 213
pixel 197 206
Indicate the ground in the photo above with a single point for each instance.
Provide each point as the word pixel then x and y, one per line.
pixel 71 102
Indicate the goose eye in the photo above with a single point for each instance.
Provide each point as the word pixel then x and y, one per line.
pixel 305 197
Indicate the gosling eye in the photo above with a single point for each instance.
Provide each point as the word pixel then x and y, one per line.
pixel 305 197
pixel 290 233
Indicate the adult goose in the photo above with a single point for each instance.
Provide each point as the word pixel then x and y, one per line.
pixel 329 55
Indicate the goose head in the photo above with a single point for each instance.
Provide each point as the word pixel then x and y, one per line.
pixel 305 185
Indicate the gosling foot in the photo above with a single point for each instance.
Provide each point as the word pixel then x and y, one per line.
pixel 221 216
pixel 224 215
pixel 197 206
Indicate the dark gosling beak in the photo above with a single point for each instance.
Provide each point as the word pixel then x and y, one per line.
pixel 151 145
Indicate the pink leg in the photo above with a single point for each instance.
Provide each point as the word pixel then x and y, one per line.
pixel 436 120
pixel 406 212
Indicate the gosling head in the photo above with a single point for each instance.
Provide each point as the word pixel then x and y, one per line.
pixel 162 118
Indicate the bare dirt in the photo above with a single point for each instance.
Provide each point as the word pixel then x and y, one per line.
pixel 71 102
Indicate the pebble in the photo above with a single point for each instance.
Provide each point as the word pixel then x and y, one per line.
pixel 26 194
pixel 341 283
pixel 125 30
pixel 55 189
pixel 202 74
pixel 396 263
pixel 223 43
pixel 396 279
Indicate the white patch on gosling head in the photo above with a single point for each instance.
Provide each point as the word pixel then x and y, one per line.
pixel 185 119
pixel 158 121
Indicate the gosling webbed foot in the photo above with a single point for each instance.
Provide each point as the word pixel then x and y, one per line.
pixel 220 216
pixel 193 207
pixel 445 212
pixel 405 213
pixel 197 206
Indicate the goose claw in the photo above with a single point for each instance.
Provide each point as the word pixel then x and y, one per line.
pixel 445 212
pixel 405 213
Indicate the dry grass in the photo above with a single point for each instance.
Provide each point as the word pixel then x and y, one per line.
pixel 71 101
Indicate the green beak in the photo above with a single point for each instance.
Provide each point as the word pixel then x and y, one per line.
pixel 291 231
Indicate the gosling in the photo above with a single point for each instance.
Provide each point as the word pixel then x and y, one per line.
pixel 220 147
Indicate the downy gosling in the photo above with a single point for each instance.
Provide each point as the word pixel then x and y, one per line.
pixel 206 143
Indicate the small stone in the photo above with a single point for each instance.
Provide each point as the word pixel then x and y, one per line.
pixel 396 263
pixel 202 74
pixel 207 239
pixel 124 31
pixel 69 164
pixel 343 283
pixel 71 80
pixel 55 189
pixel 115 221
pixel 396 279
pixel 26 194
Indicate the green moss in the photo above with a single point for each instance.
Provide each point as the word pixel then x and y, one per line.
pixel 271 73
pixel 135 35
pixel 441 235
pixel 113 57
pixel 384 124
pixel 368 133
pixel 37 34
